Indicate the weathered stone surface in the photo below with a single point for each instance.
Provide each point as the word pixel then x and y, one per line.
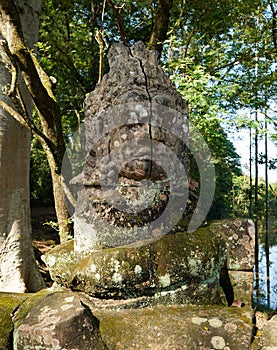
pixel 52 317
pixel 242 283
pixel 136 137
pixel 176 328
pixel 269 334
pixel 8 303
pixel 239 236
pixel 107 273
pixel 61 261
pixel 240 241
pixel 265 332
pixel 56 321
pixel 187 262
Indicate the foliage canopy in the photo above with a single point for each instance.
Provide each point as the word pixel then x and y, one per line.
pixel 220 54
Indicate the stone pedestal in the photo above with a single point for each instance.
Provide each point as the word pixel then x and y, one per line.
pixel 180 268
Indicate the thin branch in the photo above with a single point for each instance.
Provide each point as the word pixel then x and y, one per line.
pixel 101 42
pixel 70 64
pixel 179 20
pixel 17 116
pixel 15 96
pixel 120 26
pixel 27 123
pixel 273 192
pixel 274 25
pixel 189 40
pixel 103 12
pixel 13 67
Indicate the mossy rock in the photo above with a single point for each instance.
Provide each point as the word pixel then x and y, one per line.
pixel 239 236
pixel 61 262
pixel 55 320
pixel 176 328
pixel 9 302
pixel 186 261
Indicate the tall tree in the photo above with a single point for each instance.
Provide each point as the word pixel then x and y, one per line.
pixel 39 87
pixel 18 269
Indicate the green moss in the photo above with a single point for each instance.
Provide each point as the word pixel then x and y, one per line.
pixel 6 327
pixel 172 327
pixel 27 304
pixel 9 302
pixel 173 260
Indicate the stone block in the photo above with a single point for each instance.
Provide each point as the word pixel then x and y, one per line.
pixel 239 236
pixel 176 328
pixel 55 321
pixel 242 283
pixel 269 334
pixel 187 262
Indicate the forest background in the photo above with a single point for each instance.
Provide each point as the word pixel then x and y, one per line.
pixel 220 54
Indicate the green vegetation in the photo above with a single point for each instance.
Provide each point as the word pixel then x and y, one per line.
pixel 221 56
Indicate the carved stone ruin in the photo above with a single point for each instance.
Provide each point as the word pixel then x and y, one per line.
pixel 136 137
pixel 129 250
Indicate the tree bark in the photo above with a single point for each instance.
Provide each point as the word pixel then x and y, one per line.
pixel 40 89
pixel 160 27
pixel 18 269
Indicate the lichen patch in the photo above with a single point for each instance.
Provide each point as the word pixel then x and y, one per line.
pixel 199 320
pixel 165 280
pixel 117 278
pixel 215 322
pixel 218 342
pixel 138 270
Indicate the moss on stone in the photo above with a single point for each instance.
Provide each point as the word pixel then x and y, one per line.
pixel 27 304
pixel 175 327
pixel 9 302
pixel 144 268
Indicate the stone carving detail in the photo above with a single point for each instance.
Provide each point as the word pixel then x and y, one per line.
pixel 125 182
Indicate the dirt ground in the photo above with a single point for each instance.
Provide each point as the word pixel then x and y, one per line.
pixel 44 236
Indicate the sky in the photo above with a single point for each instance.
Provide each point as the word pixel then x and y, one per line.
pixel 241 142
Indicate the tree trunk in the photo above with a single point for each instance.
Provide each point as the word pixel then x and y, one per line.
pixel 267 228
pixel 160 27
pixel 250 173
pixel 40 89
pixel 18 269
pixel 65 226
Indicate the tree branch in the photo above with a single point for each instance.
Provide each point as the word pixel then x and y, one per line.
pixel 13 67
pixel 17 116
pixel 179 20
pixel 23 57
pixel 27 123
pixel 120 26
pixel 100 40
pixel 274 25
pixel 273 192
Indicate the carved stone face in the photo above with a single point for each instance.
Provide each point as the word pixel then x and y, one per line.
pixel 131 122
